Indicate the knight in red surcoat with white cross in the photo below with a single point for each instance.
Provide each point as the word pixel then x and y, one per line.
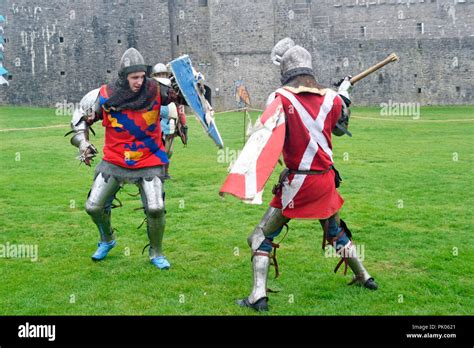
pixel 307 188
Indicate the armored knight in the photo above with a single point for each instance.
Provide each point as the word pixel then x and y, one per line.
pixel 129 109
pixel 307 187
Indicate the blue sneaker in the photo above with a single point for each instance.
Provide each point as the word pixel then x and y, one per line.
pixel 102 250
pixel 161 262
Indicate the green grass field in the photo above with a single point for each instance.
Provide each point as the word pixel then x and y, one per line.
pixel 408 194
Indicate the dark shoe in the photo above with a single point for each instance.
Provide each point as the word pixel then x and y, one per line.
pixel 260 306
pixel 371 284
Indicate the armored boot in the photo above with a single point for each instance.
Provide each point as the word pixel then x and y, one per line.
pixel 153 200
pixel 260 241
pixel 258 299
pixel 338 235
pixel 98 206
pixel 361 276
pixel 155 230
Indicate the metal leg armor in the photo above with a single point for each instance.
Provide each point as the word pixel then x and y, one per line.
pixel 152 199
pixel 272 221
pixel 260 242
pixel 338 235
pixel 260 265
pixel 361 276
pixel 169 139
pixel 99 203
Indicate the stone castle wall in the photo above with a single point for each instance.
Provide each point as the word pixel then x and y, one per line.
pixel 58 50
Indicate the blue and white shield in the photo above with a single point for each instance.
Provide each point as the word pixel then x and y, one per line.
pixel 193 94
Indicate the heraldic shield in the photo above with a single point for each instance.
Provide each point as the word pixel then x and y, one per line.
pixel 192 89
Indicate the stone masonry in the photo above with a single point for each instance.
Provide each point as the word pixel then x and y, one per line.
pixel 56 51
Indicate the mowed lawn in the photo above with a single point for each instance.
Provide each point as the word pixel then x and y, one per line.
pixel 408 190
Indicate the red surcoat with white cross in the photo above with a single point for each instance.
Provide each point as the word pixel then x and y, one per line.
pixel 310 118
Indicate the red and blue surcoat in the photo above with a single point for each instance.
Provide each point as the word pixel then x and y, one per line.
pixel 133 137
